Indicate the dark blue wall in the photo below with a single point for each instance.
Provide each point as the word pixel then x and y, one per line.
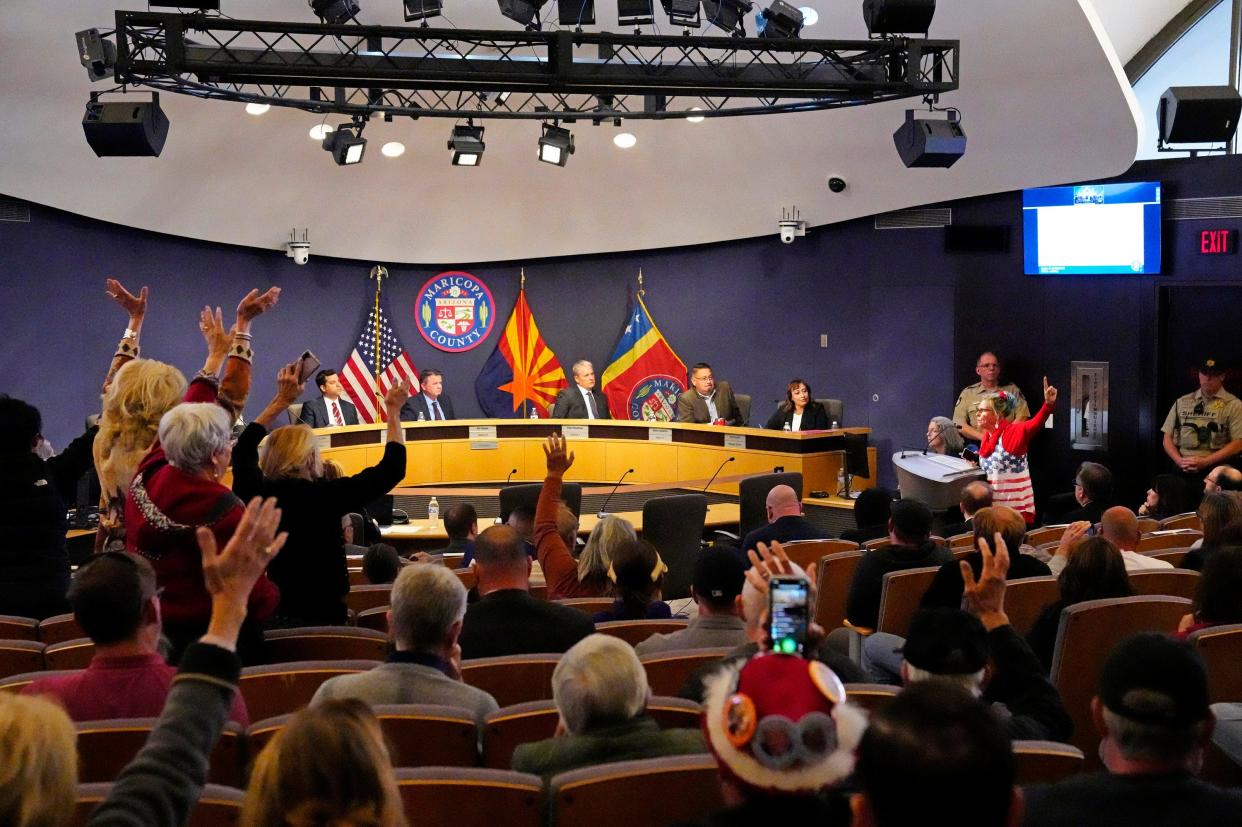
pixel 904 319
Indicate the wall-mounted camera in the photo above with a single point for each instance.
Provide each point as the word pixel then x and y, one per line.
pixel 791 225
pixel 837 184
pixel 298 249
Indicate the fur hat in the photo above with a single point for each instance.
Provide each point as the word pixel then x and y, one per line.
pixel 780 724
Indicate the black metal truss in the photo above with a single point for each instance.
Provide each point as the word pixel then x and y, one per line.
pixel 458 73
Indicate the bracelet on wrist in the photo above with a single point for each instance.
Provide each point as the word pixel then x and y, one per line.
pixel 127 347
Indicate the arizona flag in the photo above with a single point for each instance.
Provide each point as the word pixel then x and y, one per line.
pixel 522 374
pixel 644 376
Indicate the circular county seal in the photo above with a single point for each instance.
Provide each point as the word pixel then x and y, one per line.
pixel 654 398
pixel 455 311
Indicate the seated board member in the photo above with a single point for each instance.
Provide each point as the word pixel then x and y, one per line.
pixel 330 410
pixel 581 400
pixel 708 402
pixel 432 402
pixel 799 411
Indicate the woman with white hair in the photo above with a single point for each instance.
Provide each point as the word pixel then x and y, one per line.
pixel 943 437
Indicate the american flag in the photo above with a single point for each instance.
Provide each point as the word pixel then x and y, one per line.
pixel 358 375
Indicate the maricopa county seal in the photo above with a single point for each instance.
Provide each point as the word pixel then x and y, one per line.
pixel 455 311
pixel 654 399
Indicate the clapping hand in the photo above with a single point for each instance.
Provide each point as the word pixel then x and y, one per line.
pixel 256 304
pixel 985 598
pixel 558 460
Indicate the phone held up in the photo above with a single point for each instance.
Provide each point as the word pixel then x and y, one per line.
pixel 788 618
pixel 307 365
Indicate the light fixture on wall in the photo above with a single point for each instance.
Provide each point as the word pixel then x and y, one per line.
pixel 467 145
pixel 555 145
pixel 683 13
pixel 635 12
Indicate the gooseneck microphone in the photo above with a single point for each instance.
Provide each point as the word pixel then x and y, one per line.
pixel 603 512
pixel 718 470
pixel 511 473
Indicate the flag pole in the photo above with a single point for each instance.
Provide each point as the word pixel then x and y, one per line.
pixel 379 274
pixel 525 396
pixel 641 291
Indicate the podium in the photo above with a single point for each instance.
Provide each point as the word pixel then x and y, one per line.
pixel 936 479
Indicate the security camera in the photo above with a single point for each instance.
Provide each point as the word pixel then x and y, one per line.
pixel 837 184
pixel 298 249
pixel 791 225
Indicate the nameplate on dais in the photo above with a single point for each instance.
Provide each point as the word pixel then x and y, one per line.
pixel 484 445
pixel 482 432
pixel 659 434
pixel 576 431
pixel 735 441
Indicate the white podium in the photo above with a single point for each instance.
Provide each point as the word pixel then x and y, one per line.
pixel 936 479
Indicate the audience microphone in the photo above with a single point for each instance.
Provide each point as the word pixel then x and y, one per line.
pixel 603 512
pixel 511 473
pixel 718 470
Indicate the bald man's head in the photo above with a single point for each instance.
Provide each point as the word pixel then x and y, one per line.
pixel 783 502
pixel 975 496
pixel 1120 526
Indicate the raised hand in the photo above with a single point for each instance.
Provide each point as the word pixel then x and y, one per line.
pixel 135 306
pixel 211 325
pixel 288 388
pixel 769 562
pixel 397 395
pixel 985 598
pixel 1073 533
pixel 555 450
pixel 1050 393
pixel 256 304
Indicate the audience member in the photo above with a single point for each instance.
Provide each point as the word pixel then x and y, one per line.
pixel 1152 714
pixel 872 511
pixel 116 602
pixel 598 555
pixel 506 619
pixel 1221 516
pixel 1120 526
pixel 1093 492
pixel 332 470
pixel 39 776
pixel 380 564
pixel 353 534
pixel 556 533
pixel 783 735
pixel 1165 498
pixel 461 524
pixel 785 521
pixel 946 589
pixel 312 575
pixel 716 585
pixel 1222 478
pixel 1218 595
pixel 1094 570
pixel 600 690
pixel 522 520
pixel 975 496
pixel 330 410
pixel 909 529
pixel 425 622
pixel 966 409
pixel 327 766
pixel 936 755
pixel 637 572
pixel 943 437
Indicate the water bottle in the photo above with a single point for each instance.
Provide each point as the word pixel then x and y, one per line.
pixel 534 413
pixel 433 509
pixel 422 417
pixel 787 426
pixel 834 424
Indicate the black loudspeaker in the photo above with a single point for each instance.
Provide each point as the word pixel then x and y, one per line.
pixel 976 238
pixel 898 16
pixel 927 143
pixel 1199 114
pixel 125 127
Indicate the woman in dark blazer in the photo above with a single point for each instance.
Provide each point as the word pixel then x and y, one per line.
pixel 800 406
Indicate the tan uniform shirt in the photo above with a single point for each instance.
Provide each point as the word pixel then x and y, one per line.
pixel 1201 426
pixel 966 411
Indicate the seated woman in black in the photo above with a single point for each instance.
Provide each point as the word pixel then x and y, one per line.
pixel 799 411
pixel 311 573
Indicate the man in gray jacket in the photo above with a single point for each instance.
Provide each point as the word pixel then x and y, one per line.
pixel 428 604
pixel 717 588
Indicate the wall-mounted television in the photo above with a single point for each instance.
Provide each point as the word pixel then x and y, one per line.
pixel 1092 228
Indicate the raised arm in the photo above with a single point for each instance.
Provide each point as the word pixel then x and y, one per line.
pixel 560 570
pixel 136 309
pixel 235 383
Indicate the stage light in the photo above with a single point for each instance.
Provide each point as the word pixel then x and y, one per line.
pixel 320 131
pixel 467 145
pixel 335 11
pixel 898 16
pixel 782 20
pixel 809 16
pixel 98 56
pixel 695 118
pixel 346 144
pixel 422 9
pixel 624 140
pixel 556 145
pixel 257 108
pixel 729 15
pixel 393 149
pixel 682 12
pixel 926 143
pixel 635 12
pixel 522 11
pixel 575 12
pixel 125 128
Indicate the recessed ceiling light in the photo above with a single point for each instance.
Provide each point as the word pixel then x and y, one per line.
pixel 625 140
pixel 809 16
pixel 695 118
pixel 320 130
pixel 393 149
pixel 257 108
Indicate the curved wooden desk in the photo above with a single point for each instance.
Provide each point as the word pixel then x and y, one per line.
pixel 487 450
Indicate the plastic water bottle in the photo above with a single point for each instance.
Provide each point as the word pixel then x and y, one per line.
pixel 787 427
pixel 422 417
pixel 834 424
pixel 433 509
pixel 534 414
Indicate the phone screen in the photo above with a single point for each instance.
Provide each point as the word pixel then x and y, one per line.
pixel 307 365
pixel 787 606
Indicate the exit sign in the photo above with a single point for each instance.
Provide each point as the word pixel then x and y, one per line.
pixel 1218 242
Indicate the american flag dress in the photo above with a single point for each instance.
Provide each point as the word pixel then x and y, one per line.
pixel 1003 456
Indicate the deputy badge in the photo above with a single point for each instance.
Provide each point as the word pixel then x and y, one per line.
pixel 654 399
pixel 455 311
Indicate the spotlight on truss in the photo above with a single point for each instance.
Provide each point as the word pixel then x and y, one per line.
pixel 635 12
pixel 467 145
pixel 346 144
pixel 555 145
pixel 422 9
pixel 575 12
pixel 97 54
pixel 683 13
pixel 729 15
pixel 781 20
pixel 335 11
pixel 525 12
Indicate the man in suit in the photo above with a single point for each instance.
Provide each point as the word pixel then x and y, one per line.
pixel 975 496
pixel 581 401
pixel 431 402
pixel 329 410
pixel 785 521
pixel 506 619
pixel 708 402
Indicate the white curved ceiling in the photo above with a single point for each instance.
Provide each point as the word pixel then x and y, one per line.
pixel 1044 101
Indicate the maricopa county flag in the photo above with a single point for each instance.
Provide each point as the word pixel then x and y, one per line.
pixel 644 376
pixel 522 374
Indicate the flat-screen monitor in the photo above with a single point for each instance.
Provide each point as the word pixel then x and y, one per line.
pixel 856 461
pixel 1092 228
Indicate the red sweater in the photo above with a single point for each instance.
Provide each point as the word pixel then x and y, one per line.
pixel 560 569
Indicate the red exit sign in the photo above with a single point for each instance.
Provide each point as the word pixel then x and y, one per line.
pixel 1218 242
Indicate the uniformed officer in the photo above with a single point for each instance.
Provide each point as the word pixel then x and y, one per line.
pixel 1204 428
pixel 966 411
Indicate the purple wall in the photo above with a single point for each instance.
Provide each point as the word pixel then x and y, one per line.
pixel 904 319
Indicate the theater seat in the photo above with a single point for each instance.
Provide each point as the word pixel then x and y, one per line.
pixel 1160 542
pixel 1178 521
pixel 1221 648
pixel 16 683
pixel 18 656
pixel 674 525
pixel 1047 534
pixel 587 605
pixel 1027 597
pixel 324 643
pixel 1045 762
pixel 376 619
pixel 361 598
pixel 871 696
pixel 106 747
pixel 512 679
pixel 635 632
pixel 14 627
pixel 471 797
pixel 836 572
pixel 654 792
pixel 808 553
pixel 69 654
pixel 218 806
pixel 281 688
pixel 899 598
pixel 1175 582
pixel 667 672
pixel 752 495
pixel 59 628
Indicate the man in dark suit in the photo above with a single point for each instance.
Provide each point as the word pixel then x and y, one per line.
pixel 507 620
pixel 785 521
pixel 431 403
pixel 708 401
pixel 581 400
pixel 975 496
pixel 329 410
